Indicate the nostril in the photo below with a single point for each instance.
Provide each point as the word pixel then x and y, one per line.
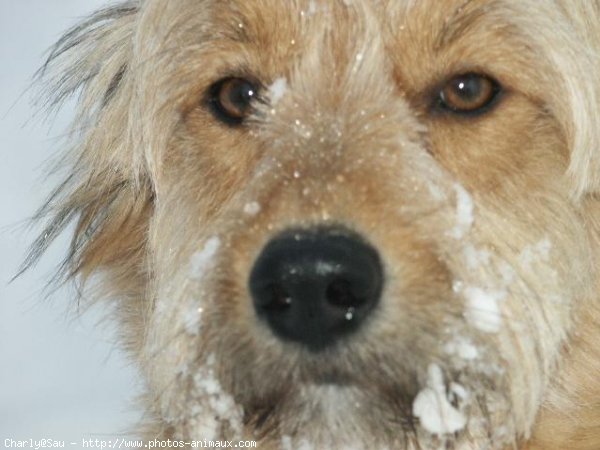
pixel 315 286
pixel 340 294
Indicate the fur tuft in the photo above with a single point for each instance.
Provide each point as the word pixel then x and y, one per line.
pixel 103 194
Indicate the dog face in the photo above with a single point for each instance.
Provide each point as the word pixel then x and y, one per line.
pixel 341 223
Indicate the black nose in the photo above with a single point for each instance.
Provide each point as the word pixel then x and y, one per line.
pixel 315 286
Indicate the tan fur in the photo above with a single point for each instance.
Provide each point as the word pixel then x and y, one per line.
pixel 154 180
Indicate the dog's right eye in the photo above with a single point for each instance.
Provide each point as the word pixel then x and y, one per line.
pixel 469 94
pixel 230 99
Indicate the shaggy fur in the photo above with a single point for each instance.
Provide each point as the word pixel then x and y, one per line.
pixel 501 210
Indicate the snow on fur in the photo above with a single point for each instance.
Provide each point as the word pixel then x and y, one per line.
pixel 433 408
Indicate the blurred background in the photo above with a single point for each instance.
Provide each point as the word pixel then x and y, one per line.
pixel 61 375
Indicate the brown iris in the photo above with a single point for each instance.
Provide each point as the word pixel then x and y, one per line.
pixel 471 93
pixel 230 99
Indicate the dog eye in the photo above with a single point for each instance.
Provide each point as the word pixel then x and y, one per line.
pixel 231 99
pixel 469 94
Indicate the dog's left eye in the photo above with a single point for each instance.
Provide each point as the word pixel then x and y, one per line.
pixel 468 94
pixel 231 99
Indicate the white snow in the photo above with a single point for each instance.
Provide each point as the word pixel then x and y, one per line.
pixel 538 252
pixel 252 208
pixel 482 309
pixel 464 212
pixel 475 258
pixel 286 443
pixel 507 273
pixel 460 391
pixel 326 267
pixel 200 263
pixel 191 320
pixel 457 286
pixel 463 348
pixel 202 260
pixel 214 406
pixel 277 90
pixel 435 190
pixel 432 407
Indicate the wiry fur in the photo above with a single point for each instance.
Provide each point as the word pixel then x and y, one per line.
pixel 156 185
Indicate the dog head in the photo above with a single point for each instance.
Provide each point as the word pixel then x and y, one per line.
pixel 339 222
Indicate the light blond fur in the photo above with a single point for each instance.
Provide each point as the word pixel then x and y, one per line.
pixel 504 204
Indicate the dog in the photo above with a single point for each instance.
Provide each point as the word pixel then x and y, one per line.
pixel 343 223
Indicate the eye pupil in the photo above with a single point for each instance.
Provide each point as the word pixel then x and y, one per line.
pixel 468 89
pixel 239 95
pixel 230 99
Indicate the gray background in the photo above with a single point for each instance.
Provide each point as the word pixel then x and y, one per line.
pixel 61 375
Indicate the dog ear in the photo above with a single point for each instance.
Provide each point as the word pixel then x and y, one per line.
pixel 105 192
pixel 574 50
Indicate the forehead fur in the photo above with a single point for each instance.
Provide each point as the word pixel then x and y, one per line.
pixel 421 42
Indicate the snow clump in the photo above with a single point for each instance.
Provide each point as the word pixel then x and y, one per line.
pixel 464 212
pixel 202 260
pixel 252 208
pixel 483 310
pixel 215 406
pixel 277 90
pixel 435 412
